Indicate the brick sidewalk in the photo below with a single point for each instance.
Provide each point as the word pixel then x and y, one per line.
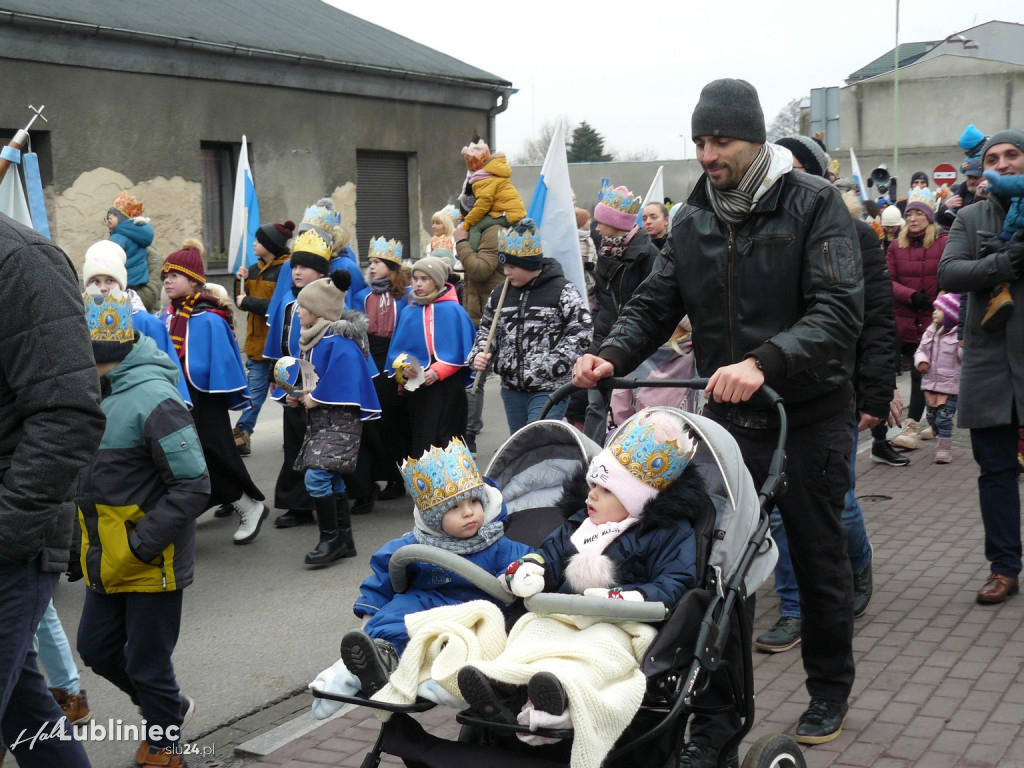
pixel 940 679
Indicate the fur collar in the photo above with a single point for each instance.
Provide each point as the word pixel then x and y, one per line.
pixel 353 325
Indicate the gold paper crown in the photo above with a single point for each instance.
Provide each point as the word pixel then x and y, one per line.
pixel 311 242
pixel 441 474
pixel 621 199
pixel 109 317
pixel 128 205
pixel 390 250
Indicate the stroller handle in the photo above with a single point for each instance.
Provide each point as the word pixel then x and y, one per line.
pixel 422 553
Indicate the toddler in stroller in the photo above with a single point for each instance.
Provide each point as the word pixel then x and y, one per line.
pixel 732 558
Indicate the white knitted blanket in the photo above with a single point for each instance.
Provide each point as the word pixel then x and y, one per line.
pixel 441 642
pixel 598 664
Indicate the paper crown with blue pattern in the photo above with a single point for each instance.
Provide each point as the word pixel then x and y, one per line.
pixel 385 250
pixel 111 327
pixel 441 478
pixel 921 195
pixel 321 216
pixel 520 245
pixel 654 446
pixel 617 208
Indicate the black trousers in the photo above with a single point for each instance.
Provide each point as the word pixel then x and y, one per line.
pixel 290 491
pixel 437 414
pixel 229 478
pixel 128 639
pixel 818 471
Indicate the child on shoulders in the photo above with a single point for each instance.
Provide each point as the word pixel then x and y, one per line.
pixel 495 201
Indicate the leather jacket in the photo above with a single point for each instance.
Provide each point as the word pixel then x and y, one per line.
pixel 785 287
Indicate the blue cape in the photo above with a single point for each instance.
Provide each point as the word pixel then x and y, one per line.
pixel 453 334
pixel 212 361
pixel 283 288
pixel 149 325
pixel 276 312
pixel 345 376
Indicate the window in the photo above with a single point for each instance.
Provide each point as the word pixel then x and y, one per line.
pixel 382 199
pixel 220 161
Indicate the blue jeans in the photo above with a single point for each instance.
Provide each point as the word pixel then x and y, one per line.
pixel 521 408
pixel 258 375
pixel 322 483
pixel 26 706
pixel 857 544
pixel 995 451
pixel 55 653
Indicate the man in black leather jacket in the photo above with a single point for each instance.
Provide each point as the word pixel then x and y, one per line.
pixel 765 263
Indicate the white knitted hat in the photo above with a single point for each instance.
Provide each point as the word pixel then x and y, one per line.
pixel 105 258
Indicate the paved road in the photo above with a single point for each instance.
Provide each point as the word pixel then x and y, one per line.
pixel 258 624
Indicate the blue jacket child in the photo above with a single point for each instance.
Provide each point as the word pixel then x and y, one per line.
pixel 133 233
pixel 469 522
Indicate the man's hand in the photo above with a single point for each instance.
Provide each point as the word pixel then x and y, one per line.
pixel 867 421
pixel 735 383
pixel 460 234
pixel 481 360
pixel 895 410
pixel 589 370
pixel 955 202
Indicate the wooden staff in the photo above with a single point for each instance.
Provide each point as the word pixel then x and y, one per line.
pixel 490 334
pixel 20 139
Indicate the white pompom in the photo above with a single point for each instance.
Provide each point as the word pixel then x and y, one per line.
pixel 587 569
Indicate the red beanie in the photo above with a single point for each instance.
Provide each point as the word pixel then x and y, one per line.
pixel 188 261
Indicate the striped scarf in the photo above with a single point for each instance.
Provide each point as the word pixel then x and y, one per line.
pixel 733 206
pixel 178 325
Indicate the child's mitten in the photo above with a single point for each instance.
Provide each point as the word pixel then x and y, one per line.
pixel 524 577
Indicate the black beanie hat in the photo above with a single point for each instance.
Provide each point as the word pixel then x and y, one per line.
pixel 729 108
pixel 274 237
pixel 919 176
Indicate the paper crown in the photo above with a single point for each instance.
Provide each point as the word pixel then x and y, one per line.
pixel 440 474
pixel 310 241
pixel 620 199
pixel 521 241
pixel 921 195
pixel 452 212
pixel 109 317
pixel 833 166
pixel 654 454
pixel 128 205
pixel 385 250
pixel 321 217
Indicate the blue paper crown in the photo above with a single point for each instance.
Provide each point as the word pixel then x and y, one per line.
pixel 109 317
pixel 452 212
pixel 522 241
pixel 385 250
pixel 619 201
pixel 653 461
pixel 440 474
pixel 921 195
pixel 321 217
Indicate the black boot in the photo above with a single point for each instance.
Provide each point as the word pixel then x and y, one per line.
pixel 331 546
pixel 345 525
pixel 365 506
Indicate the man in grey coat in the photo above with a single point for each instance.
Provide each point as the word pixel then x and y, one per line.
pixel 992 379
pixel 50 426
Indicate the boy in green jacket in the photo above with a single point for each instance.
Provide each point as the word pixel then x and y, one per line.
pixel 138 502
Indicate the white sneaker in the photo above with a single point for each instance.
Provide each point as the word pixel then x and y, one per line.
pixel 907 438
pixel 251 514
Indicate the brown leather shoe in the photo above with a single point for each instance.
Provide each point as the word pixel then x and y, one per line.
pixel 75 706
pixel 997 589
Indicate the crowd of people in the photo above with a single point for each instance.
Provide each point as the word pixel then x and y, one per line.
pixel 773 271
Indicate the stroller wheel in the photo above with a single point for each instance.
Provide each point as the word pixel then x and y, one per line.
pixel 774 751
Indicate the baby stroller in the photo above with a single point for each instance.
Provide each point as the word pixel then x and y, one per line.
pixel 735 555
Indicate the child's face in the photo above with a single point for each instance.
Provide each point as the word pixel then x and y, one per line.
pixel 436 228
pixel 517 276
pixel 464 520
pixel 378 269
pixel 303 275
pixel 421 284
pixel 604 507
pixel 937 316
pixel 261 252
pixel 104 282
pixel 306 318
pixel 178 286
pixel 111 221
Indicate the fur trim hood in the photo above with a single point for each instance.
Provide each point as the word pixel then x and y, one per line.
pixel 353 325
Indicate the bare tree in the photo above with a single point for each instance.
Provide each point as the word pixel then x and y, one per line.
pixel 641 155
pixel 534 150
pixel 787 121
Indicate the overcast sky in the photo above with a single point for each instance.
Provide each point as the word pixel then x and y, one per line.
pixel 634 70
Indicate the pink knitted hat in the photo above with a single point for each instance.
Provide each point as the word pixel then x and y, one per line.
pixel 617 208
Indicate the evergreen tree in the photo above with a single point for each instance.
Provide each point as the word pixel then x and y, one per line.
pixel 587 146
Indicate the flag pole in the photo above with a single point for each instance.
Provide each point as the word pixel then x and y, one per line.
pixel 490 333
pixel 20 139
